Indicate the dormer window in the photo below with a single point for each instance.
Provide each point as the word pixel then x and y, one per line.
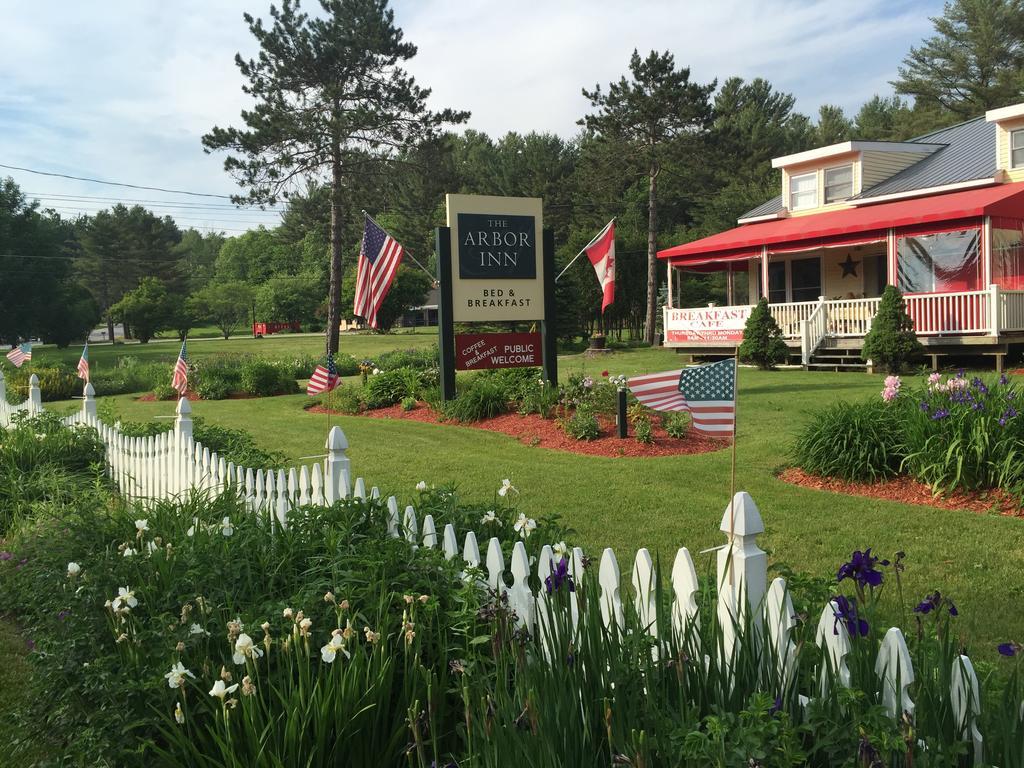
pixel 803 191
pixel 838 183
pixel 1017 149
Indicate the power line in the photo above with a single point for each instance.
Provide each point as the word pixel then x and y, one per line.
pixel 176 216
pixel 114 183
pixel 160 203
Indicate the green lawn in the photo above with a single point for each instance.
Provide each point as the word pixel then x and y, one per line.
pixel 665 503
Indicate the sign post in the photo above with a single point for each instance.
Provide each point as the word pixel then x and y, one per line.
pixel 495 265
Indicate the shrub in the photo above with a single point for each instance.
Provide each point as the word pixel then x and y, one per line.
pixel 762 339
pixel 165 392
pixel 233 445
pixel 852 441
pixel 539 397
pixel 408 403
pixel 891 342
pixel 484 398
pixel 130 375
pixel 262 378
pixel 643 430
pixel 676 424
pixel 346 398
pixel 420 359
pixel 215 385
pixel 389 387
pixel 582 425
pixel 55 383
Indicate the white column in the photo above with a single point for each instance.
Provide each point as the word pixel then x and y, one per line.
pixel 670 298
pixel 764 272
pixel 742 565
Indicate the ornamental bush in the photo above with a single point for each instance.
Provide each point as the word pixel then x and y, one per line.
pixel 263 378
pixel 762 339
pixel 582 424
pixel 862 442
pixel 485 397
pixel 891 343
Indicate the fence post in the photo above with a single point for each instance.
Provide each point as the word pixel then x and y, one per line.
pixel 89 403
pixel 993 310
pixel 183 443
pixel 338 464
pixel 183 422
pixel 3 388
pixel 35 396
pixel 742 565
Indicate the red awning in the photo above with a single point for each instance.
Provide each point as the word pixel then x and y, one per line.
pixel 852 224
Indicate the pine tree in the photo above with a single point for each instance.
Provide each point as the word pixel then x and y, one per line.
pixel 891 342
pixel 332 106
pixel 762 339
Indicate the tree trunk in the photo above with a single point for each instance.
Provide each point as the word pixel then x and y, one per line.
pixel 334 297
pixel 652 253
pixel 110 328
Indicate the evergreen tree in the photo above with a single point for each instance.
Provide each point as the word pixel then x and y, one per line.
pixel 973 63
pixel 762 339
pixel 332 104
pixel 652 116
pixel 833 126
pixel 891 342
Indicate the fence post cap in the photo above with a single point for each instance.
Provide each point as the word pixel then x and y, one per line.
pixel 747 520
pixel 89 390
pixel 33 380
pixel 336 440
pixel 184 407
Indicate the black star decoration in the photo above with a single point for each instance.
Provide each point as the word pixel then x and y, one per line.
pixel 849 266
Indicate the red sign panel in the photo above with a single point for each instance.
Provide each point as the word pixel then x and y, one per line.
pixel 474 351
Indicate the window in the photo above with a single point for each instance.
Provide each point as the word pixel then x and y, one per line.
pixel 838 183
pixel 1017 149
pixel 940 263
pixel 805 275
pixel 777 282
pixel 803 191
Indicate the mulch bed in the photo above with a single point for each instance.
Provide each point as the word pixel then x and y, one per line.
pixel 908 491
pixel 534 431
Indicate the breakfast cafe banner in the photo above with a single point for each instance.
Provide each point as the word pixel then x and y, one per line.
pixel 706 325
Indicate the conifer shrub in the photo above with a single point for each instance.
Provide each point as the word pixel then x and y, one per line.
pixel 891 342
pixel 762 339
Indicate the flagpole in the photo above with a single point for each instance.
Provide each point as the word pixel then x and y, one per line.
pixel 583 250
pixel 404 249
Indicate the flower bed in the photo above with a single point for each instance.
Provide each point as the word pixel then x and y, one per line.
pixel 951 434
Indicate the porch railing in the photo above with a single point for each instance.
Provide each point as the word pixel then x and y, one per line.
pixel 1011 310
pixel 791 316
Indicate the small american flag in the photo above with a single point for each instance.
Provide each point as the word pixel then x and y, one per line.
pixel 83 363
pixel 707 392
pixel 324 379
pixel 379 257
pixel 180 378
pixel 19 354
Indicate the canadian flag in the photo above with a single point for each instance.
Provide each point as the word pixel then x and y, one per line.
pixel 601 252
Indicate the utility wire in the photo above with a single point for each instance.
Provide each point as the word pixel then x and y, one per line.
pixel 114 183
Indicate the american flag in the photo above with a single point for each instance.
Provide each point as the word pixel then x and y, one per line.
pixel 19 354
pixel 707 392
pixel 324 379
pixel 83 363
pixel 379 257
pixel 180 379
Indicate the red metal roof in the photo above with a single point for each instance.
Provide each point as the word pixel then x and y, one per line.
pixel 997 200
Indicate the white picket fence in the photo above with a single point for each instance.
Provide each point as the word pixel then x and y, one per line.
pixel 171 464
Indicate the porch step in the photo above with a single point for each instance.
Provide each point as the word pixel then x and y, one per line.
pixel 838 357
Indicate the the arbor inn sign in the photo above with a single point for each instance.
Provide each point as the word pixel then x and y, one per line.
pixel 496 265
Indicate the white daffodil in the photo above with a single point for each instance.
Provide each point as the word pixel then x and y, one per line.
pixel 525 525
pixel 151 547
pixel 195 629
pixel 179 716
pixel 506 488
pixel 329 652
pixel 73 570
pixel 141 525
pixel 561 550
pixel 421 485
pixel 226 528
pixel 191 531
pixel 490 517
pixel 376 371
pixel 220 690
pixel 176 677
pixel 129 552
pixel 125 598
pixel 246 648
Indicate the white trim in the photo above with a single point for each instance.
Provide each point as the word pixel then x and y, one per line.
pixel 925 191
pixel 1004 113
pixel 845 147
pixel 782 214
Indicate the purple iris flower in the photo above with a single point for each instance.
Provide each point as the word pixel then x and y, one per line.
pixel 63 615
pixel 559 576
pixel 845 611
pixel 940 414
pixel 1008 649
pixel 934 602
pixel 924 407
pixel 861 568
pixel 776 706
pixel 1003 381
pixel 4 556
pixel 960 373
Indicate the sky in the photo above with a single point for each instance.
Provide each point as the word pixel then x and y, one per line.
pixel 123 90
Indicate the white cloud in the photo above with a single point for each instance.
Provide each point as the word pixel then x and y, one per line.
pixel 125 94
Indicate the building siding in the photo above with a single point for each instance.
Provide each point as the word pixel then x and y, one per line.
pixel 879 166
pixel 1003 149
pixel 819 169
